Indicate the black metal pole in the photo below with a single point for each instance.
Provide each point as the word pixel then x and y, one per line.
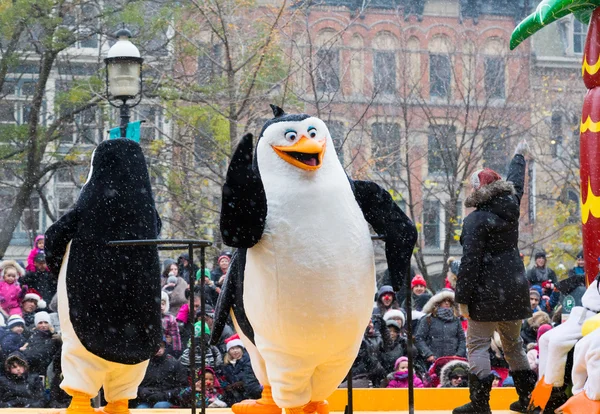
pixel 202 324
pixel 191 320
pixel 410 346
pixel 124 112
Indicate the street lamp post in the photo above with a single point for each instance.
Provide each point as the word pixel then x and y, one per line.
pixel 123 76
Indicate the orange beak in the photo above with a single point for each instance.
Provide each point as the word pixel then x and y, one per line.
pixel 306 153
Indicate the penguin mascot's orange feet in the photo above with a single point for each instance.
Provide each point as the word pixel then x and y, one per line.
pixel 313 407
pixel 264 405
pixel 80 404
pixel 579 404
pixel 540 394
pixel 117 407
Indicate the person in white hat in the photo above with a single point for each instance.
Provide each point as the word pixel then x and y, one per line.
pixel 42 346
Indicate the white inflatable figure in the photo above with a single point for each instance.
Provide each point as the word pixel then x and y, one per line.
pixel 108 297
pixel 301 285
pixel 586 372
pixel 555 344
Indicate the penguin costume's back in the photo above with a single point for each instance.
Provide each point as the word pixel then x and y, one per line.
pixel 301 284
pixel 108 297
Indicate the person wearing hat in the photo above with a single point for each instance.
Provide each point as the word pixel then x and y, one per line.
pixel 385 299
pixel 31 303
pixel 42 346
pixel 170 327
pixel 578 269
pixel 400 375
pixel 540 272
pixel 492 289
pixel 420 293
pixel 13 340
pixel 211 289
pixel 535 296
pixel 455 374
pixel 11 291
pixel 40 279
pixel 394 342
pixel 164 378
pixel 187 269
pixel 240 381
pixel 220 271
pixel 19 388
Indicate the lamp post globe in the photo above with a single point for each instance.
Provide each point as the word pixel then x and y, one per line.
pixel 123 76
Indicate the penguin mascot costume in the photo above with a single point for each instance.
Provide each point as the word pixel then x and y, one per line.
pixel 108 297
pixel 586 370
pixel 300 287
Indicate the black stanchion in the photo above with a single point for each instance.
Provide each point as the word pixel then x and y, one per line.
pixel 182 244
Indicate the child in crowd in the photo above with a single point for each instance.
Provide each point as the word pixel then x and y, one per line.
pixel 241 381
pixel 400 375
pixel 420 294
pixel 533 352
pixel 213 395
pixel 170 327
pixel 17 387
pixel 38 247
pixel 497 382
pixel 11 292
pixel 13 340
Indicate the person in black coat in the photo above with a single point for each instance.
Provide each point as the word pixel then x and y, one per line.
pixel 491 287
pixel 42 346
pixel 164 379
pixel 540 272
pixel 241 383
pixel 41 279
pixel 18 388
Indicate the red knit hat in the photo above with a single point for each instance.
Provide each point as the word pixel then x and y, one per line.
pixel 484 177
pixel 418 280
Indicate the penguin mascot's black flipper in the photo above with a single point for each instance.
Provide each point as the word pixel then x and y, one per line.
pixel 388 220
pixel 108 297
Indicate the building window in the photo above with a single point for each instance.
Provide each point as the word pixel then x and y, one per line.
pixel 431 223
pixel 495 154
pixel 336 130
pixel 494 78
pixel 442 153
pixel 208 69
pixel 439 75
pixel 385 141
pixel 579 35
pixel 328 65
pixel 151 128
pixel 384 72
pixel 83 130
pixel 82 20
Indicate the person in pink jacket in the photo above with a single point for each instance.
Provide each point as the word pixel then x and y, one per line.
pixel 11 291
pixel 401 375
pixel 38 247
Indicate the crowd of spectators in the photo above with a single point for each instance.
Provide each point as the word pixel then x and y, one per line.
pixel 30 343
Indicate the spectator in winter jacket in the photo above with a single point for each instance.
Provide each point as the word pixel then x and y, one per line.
pixel 220 271
pixel 455 374
pixel 367 370
pixel 385 300
pixel 440 333
pixel 177 297
pixel 40 278
pixel 164 379
pixel 529 331
pixel 31 303
pixel 170 327
pixel 18 388
pixel 492 288
pixel 42 346
pixel 13 340
pixel 394 340
pixel 534 298
pixel 241 383
pixel 540 272
pixel 400 375
pixel 213 391
pixel 578 269
pixel 38 247
pixel 11 292
pixel 420 294
pixel 212 356
pixel 533 354
pixel 187 270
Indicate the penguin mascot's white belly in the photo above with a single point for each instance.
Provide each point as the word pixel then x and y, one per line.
pixel 108 297
pixel 302 284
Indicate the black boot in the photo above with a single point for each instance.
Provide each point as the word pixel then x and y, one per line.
pixel 524 383
pixel 479 390
pixel 557 398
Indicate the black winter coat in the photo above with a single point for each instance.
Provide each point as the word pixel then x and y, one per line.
pixel 368 361
pixel 241 381
pixel 439 337
pixel 164 379
pixel 41 349
pixel 491 278
pixel 43 282
pixel 25 391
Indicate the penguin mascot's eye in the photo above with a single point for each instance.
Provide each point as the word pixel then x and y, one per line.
pixel 291 135
pixel 312 132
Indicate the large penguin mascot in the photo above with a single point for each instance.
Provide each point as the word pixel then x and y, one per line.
pixel 108 297
pixel 301 284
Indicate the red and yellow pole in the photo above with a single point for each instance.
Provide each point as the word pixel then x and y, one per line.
pixel 590 149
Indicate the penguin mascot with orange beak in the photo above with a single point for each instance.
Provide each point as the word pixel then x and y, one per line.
pixel 301 285
pixel 108 297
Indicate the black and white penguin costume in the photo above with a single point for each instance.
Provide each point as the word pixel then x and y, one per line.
pixel 108 297
pixel 302 282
